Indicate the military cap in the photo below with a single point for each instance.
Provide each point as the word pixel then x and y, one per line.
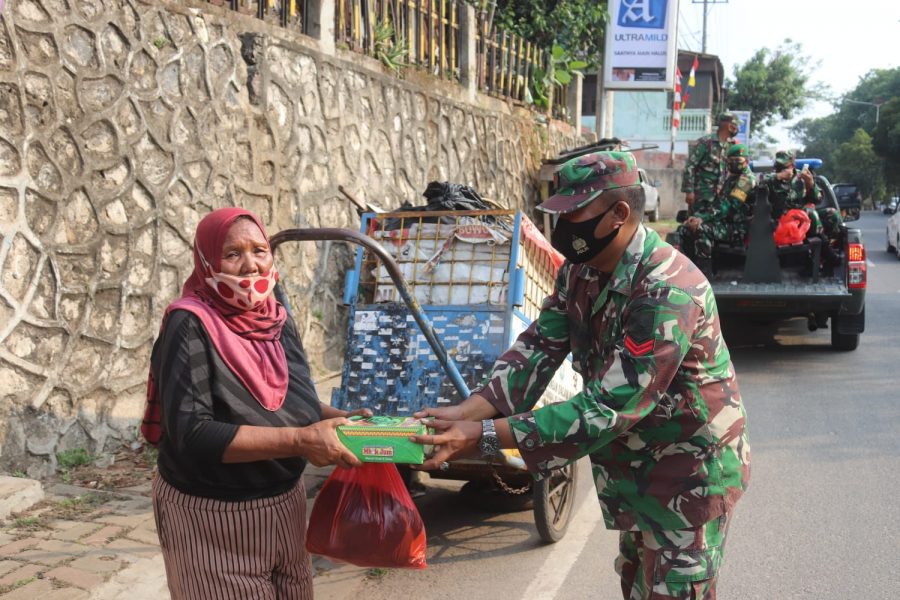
pixel 738 150
pixel 783 157
pixel 582 179
pixel 727 117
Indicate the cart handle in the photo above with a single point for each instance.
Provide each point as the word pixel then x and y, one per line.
pixel 355 237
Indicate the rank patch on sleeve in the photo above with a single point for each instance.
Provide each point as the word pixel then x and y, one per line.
pixel 739 194
pixel 638 349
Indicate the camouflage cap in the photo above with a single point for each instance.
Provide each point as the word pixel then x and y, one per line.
pixel 727 117
pixel 783 157
pixel 582 179
pixel 738 150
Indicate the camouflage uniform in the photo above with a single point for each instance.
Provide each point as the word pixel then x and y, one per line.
pixel 660 414
pixel 705 168
pixel 825 222
pixel 728 218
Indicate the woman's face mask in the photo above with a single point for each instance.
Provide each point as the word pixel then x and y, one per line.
pixel 736 166
pixel 243 292
pixel 576 241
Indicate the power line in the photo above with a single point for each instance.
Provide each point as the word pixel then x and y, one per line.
pixel 705 4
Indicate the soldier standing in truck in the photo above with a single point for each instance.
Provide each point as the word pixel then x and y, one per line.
pixel 705 170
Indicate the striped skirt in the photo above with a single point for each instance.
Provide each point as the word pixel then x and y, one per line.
pixel 219 550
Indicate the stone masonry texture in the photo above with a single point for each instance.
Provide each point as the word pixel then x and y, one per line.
pixel 123 122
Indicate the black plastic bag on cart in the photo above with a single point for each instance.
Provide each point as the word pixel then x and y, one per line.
pixel 444 196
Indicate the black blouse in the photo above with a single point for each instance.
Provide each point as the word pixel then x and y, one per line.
pixel 203 403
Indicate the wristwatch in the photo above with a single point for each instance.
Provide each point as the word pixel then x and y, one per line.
pixel 489 444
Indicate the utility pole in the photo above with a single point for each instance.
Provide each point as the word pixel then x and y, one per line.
pixel 705 12
pixel 877 106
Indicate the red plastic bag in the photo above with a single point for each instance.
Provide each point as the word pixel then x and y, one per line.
pixel 792 227
pixel 365 516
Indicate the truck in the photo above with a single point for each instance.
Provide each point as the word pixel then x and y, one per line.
pixel 764 282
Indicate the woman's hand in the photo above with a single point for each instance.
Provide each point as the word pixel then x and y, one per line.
pixel 319 444
pixel 330 412
pixel 359 412
pixel 454 439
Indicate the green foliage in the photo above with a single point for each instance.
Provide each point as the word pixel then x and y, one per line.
pixel 389 48
pixel 562 67
pixel 75 457
pixel 855 161
pixel 160 42
pixel 772 84
pixel 27 523
pixel 377 573
pixel 578 26
pixel 853 148
pixel 886 142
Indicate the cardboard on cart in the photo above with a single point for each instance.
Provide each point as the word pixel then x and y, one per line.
pixel 384 439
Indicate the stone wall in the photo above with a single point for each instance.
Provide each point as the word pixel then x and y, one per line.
pixel 123 122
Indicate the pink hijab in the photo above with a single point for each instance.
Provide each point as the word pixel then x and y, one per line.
pixel 249 342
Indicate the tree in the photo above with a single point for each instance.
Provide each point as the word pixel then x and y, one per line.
pixel 855 161
pixel 772 85
pixel 853 148
pixel 577 26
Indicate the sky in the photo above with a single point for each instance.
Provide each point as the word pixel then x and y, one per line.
pixel 846 38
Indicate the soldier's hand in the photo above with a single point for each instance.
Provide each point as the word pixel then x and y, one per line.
pixel 689 198
pixel 452 439
pixel 693 223
pixel 447 413
pixel 807 179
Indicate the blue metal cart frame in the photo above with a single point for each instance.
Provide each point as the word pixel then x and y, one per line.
pixel 396 364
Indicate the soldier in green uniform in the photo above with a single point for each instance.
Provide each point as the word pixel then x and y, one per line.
pixel 727 219
pixel 705 168
pixel 660 414
pixel 790 188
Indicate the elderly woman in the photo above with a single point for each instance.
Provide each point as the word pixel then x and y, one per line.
pixel 236 417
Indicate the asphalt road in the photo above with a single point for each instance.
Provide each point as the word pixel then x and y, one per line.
pixel 821 519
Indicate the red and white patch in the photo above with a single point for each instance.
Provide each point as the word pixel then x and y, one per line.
pixel 636 349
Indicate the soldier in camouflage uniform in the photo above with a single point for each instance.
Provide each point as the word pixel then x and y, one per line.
pixel 705 168
pixel 727 219
pixel 660 414
pixel 790 189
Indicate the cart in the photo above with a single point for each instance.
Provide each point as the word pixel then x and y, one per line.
pixel 474 279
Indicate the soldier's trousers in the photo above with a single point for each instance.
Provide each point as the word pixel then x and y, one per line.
pixel 672 565
pixel 699 243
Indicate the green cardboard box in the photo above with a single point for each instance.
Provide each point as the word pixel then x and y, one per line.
pixel 384 439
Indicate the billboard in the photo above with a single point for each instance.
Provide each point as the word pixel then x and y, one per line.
pixel 641 45
pixel 743 134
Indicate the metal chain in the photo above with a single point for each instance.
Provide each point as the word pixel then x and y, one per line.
pixel 506 488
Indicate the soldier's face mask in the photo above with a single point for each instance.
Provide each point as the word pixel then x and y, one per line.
pixel 736 165
pixel 576 241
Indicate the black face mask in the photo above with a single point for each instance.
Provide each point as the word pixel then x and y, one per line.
pixel 736 167
pixel 576 241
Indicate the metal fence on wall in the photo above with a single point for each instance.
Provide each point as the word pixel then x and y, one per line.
pixel 287 13
pixel 421 33
pixel 429 35
pixel 508 66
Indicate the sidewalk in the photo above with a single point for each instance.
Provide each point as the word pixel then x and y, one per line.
pixel 81 544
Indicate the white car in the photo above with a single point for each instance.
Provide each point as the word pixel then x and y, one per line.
pixel 893 233
pixel 651 206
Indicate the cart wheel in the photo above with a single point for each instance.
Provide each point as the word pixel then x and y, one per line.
pixel 554 499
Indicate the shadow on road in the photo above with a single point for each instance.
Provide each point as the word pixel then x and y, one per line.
pixel 459 531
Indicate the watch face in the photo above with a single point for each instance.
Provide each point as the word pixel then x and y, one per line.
pixel 489 445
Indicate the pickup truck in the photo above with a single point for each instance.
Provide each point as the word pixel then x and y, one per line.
pixel 766 282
